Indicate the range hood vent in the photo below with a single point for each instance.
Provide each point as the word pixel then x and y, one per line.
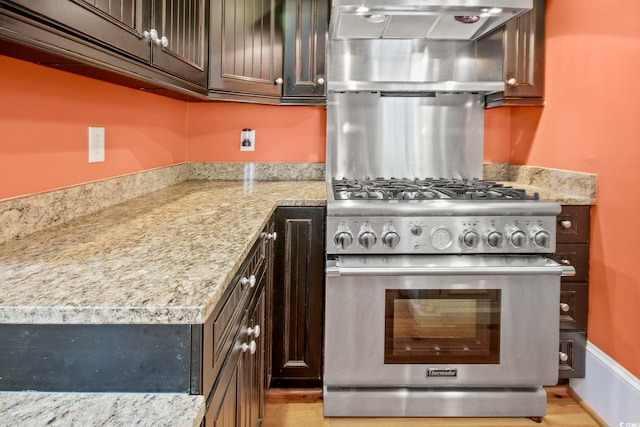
pixel 421 19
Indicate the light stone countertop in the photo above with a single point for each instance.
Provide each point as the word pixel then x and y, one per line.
pixel 166 257
pixel 108 409
pixel 552 195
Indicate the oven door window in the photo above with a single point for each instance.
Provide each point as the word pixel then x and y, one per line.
pixel 442 326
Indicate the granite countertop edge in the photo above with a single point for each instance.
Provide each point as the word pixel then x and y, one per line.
pixel 100 409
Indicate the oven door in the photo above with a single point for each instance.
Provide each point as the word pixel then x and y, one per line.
pixel 442 321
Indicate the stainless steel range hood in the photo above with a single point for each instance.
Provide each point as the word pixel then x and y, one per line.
pixel 421 19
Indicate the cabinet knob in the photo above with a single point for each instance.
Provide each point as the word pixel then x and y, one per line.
pixel 251 347
pixel 563 356
pixel 320 80
pixel 565 262
pixel 512 81
pixel 273 236
pixel 279 81
pixel 163 41
pixel 255 331
pixel 152 34
pixel 251 281
pixel 565 307
pixel 566 224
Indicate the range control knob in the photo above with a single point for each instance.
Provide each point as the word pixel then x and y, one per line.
pixel 470 238
pixel 540 236
pixel 343 239
pixel 416 230
pixel 391 239
pixel 367 239
pixel 493 238
pixel 518 238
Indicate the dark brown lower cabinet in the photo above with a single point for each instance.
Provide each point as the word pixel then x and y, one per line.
pixel 238 370
pixel 239 396
pixel 298 297
pixel 572 248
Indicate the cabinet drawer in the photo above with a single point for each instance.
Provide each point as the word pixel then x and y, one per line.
pixel 576 255
pixel 573 305
pixel 573 224
pixel 573 345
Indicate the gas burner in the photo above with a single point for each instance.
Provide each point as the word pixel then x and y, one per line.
pixel 425 189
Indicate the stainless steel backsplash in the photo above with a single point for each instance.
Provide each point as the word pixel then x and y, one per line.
pixel 387 134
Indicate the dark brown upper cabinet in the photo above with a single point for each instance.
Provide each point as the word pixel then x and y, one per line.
pixel 149 44
pixel 521 61
pixel 246 48
pixel 304 51
pixel 268 51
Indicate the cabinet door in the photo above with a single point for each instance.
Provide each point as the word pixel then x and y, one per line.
pixel 305 31
pixel 185 28
pixel 524 54
pixel 246 46
pixel 226 411
pixel 251 393
pixel 298 297
pixel 117 24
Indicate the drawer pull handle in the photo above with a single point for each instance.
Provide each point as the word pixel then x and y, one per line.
pixel 563 356
pixel 566 224
pixel 565 307
pixel 255 331
pixel 251 347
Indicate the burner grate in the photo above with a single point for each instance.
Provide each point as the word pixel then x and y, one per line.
pixel 425 189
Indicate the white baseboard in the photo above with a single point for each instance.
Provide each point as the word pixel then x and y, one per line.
pixel 609 389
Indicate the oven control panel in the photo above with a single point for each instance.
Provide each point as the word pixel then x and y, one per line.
pixel 451 235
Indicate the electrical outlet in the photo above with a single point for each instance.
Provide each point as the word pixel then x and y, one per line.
pixel 247 140
pixel 96 144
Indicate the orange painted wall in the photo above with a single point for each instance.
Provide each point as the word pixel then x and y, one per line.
pixel 283 134
pixel 44 116
pixel 591 123
pixel 497 135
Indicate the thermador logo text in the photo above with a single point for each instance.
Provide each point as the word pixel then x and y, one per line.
pixel 442 372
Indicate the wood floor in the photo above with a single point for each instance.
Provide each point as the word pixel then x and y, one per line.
pixel 303 408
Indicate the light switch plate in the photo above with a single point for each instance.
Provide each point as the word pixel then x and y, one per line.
pixel 96 144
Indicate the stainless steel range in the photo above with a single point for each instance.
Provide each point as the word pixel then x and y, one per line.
pixel 440 300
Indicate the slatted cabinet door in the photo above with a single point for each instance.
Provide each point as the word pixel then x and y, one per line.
pixel 246 46
pixel 126 26
pixel 184 25
pixel 119 24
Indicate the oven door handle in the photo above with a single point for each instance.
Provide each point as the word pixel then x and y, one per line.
pixel 458 271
